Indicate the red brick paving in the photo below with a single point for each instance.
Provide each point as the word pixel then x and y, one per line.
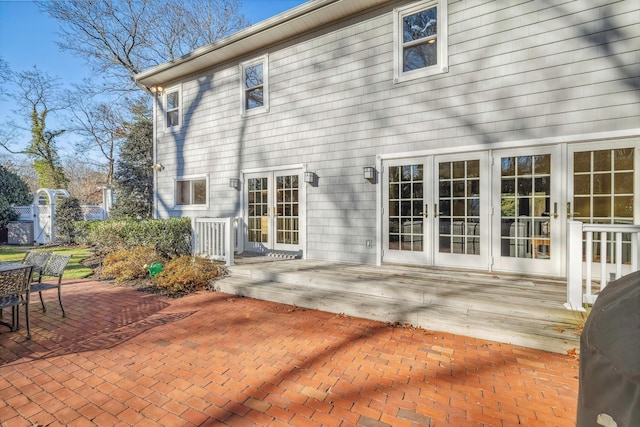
pixel 124 357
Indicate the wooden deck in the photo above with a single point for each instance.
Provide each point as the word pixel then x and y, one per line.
pixel 513 309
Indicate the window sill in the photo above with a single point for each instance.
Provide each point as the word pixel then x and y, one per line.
pixel 420 74
pixel 190 207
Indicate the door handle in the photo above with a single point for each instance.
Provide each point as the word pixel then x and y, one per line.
pixel 555 210
pixel 569 210
pixel 435 210
pixel 426 210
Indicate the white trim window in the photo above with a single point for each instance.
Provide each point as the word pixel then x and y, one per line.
pixel 173 108
pixel 420 40
pixel 254 77
pixel 191 191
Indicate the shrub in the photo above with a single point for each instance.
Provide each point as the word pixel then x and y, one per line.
pixel 187 274
pixel 129 264
pixel 170 237
pixel 68 212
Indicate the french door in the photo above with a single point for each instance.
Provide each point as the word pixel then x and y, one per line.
pixel 528 219
pixel 273 210
pixel 436 211
pixel 603 190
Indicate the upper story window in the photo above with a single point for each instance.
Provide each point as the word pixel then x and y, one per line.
pixel 255 95
pixel 420 40
pixel 191 191
pixel 172 107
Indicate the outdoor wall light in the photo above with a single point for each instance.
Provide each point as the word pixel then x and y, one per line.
pixel 369 172
pixel 309 177
pixel 159 167
pixel 234 183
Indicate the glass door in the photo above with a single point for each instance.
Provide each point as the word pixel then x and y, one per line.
pixel 527 214
pixel 603 191
pixel 405 212
pixel 273 211
pixel 460 212
pixel 434 211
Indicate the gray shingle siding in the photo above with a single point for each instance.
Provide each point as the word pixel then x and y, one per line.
pixel 517 71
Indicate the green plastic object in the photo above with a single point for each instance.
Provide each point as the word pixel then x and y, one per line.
pixel 155 269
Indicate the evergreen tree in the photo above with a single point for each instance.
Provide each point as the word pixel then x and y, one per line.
pixel 13 192
pixel 133 177
pixel 68 211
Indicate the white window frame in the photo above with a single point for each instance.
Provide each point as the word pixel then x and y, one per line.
pixel 165 109
pixel 442 65
pixel 191 179
pixel 264 60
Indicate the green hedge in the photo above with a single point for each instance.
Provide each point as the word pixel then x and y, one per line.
pixel 171 237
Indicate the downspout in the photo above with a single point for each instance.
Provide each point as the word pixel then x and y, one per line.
pixel 155 154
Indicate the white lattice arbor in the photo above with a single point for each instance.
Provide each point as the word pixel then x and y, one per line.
pixel 44 203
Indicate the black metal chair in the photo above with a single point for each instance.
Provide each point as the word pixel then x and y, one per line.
pixel 14 292
pixel 38 259
pixel 53 268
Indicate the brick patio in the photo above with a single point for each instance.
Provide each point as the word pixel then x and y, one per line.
pixel 129 358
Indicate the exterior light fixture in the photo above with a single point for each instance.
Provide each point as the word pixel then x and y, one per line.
pixel 234 183
pixel 309 177
pixel 159 167
pixel 369 172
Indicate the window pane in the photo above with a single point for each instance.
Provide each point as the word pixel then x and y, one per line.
pixel 254 98
pixel 253 76
pixel 602 160
pixel 623 159
pixel 200 192
pixel 173 101
pixel 623 183
pixel 182 193
pixel 420 56
pixel 420 25
pixel 172 118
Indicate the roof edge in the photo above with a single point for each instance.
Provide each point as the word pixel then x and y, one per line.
pixel 250 31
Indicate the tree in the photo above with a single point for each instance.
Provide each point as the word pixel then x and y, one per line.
pixel 98 123
pixel 36 94
pixel 13 192
pixel 133 178
pixel 68 211
pixel 123 37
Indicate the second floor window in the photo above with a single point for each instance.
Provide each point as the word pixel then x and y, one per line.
pixel 254 86
pixel 172 108
pixel 420 37
pixel 191 191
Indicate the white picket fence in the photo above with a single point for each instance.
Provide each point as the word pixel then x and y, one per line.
pixel 580 281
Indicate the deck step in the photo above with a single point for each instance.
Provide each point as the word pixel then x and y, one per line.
pixel 480 306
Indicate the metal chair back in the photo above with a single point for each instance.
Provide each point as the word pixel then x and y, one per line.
pixel 14 292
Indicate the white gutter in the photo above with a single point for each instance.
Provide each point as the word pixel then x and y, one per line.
pixel 303 18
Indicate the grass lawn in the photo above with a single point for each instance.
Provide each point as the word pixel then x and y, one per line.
pixel 74 270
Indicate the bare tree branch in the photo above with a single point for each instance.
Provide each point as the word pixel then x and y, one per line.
pixel 123 37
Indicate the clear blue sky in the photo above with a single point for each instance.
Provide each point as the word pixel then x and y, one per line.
pixel 28 38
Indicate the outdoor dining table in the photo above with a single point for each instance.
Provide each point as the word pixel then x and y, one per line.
pixel 20 289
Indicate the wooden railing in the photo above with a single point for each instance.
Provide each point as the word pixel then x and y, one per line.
pixel 216 238
pixel 580 283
